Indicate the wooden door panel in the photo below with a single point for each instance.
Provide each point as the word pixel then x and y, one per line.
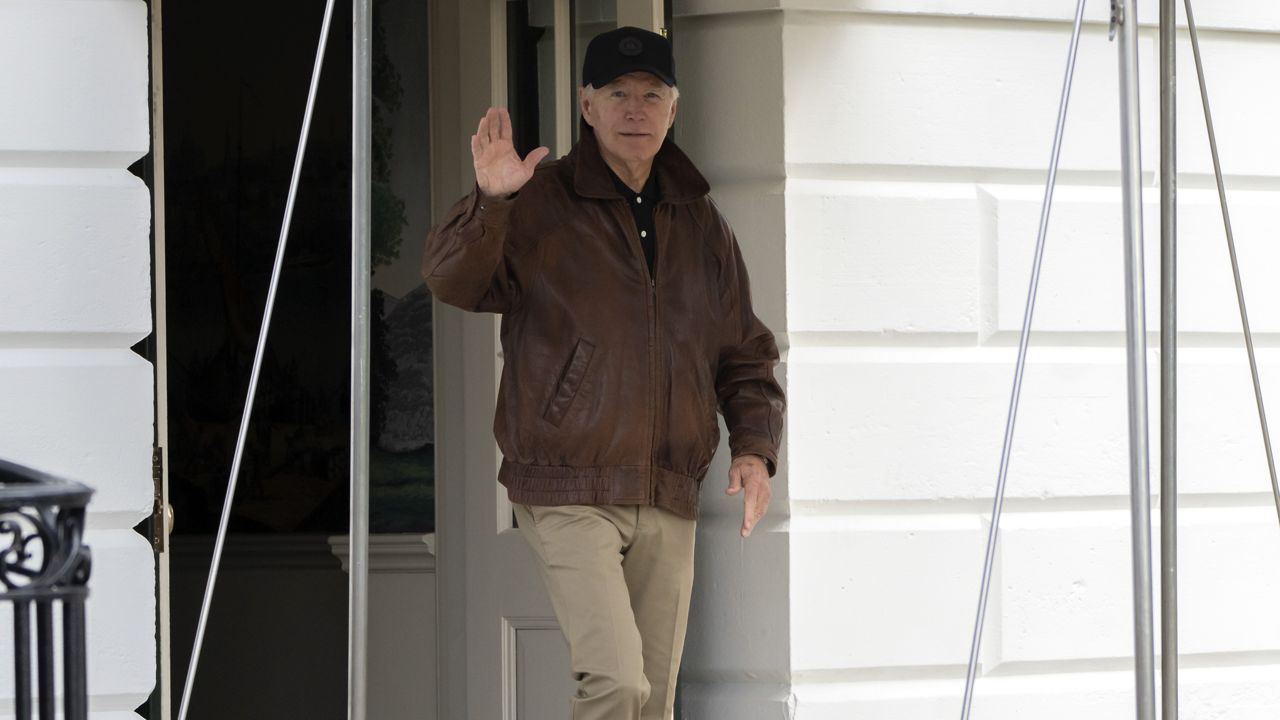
pixel 538 684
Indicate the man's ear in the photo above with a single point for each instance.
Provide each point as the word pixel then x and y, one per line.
pixel 584 104
pixel 672 120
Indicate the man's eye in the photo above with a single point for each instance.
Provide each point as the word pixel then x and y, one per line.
pixel 617 94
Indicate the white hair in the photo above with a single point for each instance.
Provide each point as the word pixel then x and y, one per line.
pixel 591 91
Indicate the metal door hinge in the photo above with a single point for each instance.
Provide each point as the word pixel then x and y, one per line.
pixel 1117 18
pixel 161 514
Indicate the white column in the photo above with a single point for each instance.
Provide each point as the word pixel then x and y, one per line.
pixel 737 656
pixel 74 296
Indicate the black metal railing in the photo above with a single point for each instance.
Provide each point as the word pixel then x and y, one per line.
pixel 43 562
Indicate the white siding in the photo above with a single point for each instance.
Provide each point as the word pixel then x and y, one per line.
pixel 74 296
pixel 911 150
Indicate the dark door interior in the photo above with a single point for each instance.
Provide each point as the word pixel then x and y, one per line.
pixel 236 76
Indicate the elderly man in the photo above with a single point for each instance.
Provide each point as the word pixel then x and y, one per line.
pixel 626 323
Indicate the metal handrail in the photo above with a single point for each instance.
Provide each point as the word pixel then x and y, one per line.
pixel 43 561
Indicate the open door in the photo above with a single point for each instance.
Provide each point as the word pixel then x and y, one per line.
pixel 502 653
pixel 231 81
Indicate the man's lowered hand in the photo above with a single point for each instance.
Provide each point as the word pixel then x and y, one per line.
pixel 748 473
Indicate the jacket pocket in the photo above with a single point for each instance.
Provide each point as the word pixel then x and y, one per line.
pixel 570 381
pixel 710 406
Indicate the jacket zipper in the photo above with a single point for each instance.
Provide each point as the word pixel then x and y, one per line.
pixel 653 384
pixel 651 307
pixel 654 360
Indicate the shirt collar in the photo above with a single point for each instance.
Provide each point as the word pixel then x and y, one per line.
pixel 648 192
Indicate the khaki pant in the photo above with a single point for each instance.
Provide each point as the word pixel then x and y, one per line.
pixel 619 577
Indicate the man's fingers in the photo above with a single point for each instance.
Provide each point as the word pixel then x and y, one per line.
pixel 482 132
pixel 754 504
pixel 475 147
pixel 751 477
pixel 735 482
pixel 535 157
pixel 504 124
pixel 490 122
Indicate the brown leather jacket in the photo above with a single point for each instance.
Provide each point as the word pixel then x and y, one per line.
pixel 611 378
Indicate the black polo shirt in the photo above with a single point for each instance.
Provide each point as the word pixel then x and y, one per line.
pixel 642 205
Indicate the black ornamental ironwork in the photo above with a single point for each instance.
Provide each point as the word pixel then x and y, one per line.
pixel 44 564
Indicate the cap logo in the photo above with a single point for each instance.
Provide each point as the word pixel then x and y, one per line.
pixel 631 46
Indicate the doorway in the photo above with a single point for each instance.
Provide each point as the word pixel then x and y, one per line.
pixel 235 80
pixel 506 655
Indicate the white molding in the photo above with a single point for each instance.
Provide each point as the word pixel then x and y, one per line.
pixel 404 553
pixel 645 14
pixel 497 53
pixel 510 627
pixel 563 82
pixel 1230 15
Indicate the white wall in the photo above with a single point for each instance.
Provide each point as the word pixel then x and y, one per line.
pixel 74 296
pixel 900 147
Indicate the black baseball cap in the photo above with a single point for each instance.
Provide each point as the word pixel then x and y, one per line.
pixel 625 50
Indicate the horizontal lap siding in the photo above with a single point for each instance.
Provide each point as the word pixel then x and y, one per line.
pixel 917 135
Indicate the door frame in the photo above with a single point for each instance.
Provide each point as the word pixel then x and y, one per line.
pixel 162 518
pixel 162 513
pixel 450 79
pixel 460 81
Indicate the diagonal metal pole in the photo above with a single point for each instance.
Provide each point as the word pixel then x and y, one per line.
pixel 358 579
pixel 1024 339
pixel 201 626
pixel 1125 15
pixel 1235 264
pixel 1168 362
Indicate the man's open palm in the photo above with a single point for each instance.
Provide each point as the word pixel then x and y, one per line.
pixel 499 170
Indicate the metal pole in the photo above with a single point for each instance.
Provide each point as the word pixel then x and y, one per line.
pixel 257 363
pixel 1124 12
pixel 361 138
pixel 1024 340
pixel 1168 362
pixel 1235 263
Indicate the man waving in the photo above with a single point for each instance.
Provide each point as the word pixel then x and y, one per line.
pixel 627 324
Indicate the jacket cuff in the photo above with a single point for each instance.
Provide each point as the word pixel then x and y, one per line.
pixel 752 444
pixel 492 212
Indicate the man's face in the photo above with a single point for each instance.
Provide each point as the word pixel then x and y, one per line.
pixel 630 116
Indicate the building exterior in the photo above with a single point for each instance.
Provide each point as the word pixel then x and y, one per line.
pixel 76 295
pixel 882 162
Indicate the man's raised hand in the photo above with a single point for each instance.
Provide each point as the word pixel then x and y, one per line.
pixel 499 170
